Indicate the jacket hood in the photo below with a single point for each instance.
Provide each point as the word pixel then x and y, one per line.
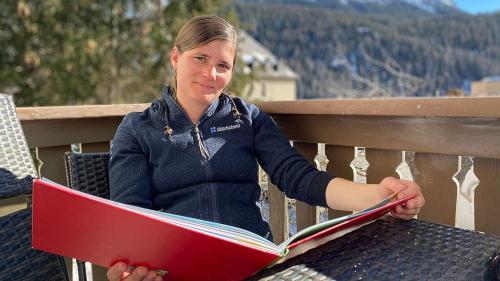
pixel 167 105
pixel 157 106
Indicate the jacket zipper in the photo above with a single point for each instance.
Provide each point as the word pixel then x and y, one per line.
pixel 203 150
pixel 205 155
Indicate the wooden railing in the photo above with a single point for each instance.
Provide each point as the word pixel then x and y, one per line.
pixel 439 131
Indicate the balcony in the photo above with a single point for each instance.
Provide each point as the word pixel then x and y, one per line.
pixel 450 146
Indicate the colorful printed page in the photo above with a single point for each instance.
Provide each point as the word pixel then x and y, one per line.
pixel 327 224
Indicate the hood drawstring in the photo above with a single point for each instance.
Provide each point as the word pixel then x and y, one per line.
pixel 234 109
pixel 168 131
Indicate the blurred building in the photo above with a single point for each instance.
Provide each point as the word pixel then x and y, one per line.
pixel 486 87
pixel 274 80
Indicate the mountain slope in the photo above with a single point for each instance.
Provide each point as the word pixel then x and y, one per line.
pixel 386 7
pixel 352 54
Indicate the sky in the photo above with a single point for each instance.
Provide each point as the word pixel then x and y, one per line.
pixel 478 6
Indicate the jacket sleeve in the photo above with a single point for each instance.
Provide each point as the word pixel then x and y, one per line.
pixel 287 168
pixel 129 174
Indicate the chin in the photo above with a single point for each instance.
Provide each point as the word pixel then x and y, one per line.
pixel 210 97
pixel 209 92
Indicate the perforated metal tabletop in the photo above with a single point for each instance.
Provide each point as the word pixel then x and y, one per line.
pixel 392 249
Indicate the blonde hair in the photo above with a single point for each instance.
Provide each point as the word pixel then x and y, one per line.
pixel 200 31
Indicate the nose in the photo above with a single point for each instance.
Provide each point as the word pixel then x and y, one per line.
pixel 211 72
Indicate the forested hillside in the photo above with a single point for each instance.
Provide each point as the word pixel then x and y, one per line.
pixel 407 8
pixel 354 54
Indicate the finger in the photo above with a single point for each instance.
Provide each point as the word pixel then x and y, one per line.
pixel 158 278
pixel 150 276
pixel 420 201
pixel 138 274
pixel 116 271
pixel 417 202
pixel 399 210
pixel 408 211
pixel 403 217
pixel 412 189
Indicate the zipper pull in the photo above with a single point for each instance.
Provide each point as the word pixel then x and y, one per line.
pixel 203 149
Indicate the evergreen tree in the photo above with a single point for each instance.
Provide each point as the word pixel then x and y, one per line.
pixel 110 51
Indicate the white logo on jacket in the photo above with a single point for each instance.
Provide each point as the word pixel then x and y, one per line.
pixel 214 130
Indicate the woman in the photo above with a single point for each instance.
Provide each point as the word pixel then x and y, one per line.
pixel 194 152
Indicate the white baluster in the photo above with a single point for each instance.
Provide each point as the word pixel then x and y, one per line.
pixel 264 196
pixel 359 165
pixel 321 163
pixel 291 212
pixel 320 159
pixel 403 169
pixel 466 182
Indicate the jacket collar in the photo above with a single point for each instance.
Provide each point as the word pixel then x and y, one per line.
pixel 174 109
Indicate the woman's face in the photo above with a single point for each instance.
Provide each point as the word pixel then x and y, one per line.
pixel 203 72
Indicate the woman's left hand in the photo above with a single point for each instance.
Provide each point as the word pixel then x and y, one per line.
pixel 408 188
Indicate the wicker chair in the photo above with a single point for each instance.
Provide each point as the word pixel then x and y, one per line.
pixel 18 261
pixel 87 172
pixel 15 158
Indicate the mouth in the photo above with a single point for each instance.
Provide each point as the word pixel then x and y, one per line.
pixel 205 86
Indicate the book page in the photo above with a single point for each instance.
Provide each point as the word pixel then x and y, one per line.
pixel 313 243
pixel 220 230
pixel 327 224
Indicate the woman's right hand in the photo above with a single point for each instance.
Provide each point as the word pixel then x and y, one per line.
pixel 121 271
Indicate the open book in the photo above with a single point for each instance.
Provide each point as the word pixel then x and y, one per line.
pixel 75 224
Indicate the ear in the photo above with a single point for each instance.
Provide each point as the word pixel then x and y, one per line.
pixel 174 57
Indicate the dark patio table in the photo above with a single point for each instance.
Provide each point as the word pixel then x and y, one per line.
pixel 392 249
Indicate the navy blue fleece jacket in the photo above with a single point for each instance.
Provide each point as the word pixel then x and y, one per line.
pixel 207 170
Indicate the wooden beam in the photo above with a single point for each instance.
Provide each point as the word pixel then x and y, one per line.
pixel 46 133
pixel 487 195
pixel 278 214
pixel 456 136
pixel 434 175
pixel 383 163
pixel 307 215
pixel 436 107
pixel 53 163
pixel 96 147
pixel 76 111
pixel 339 165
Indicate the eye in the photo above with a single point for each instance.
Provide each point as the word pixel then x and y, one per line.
pixel 224 66
pixel 200 58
